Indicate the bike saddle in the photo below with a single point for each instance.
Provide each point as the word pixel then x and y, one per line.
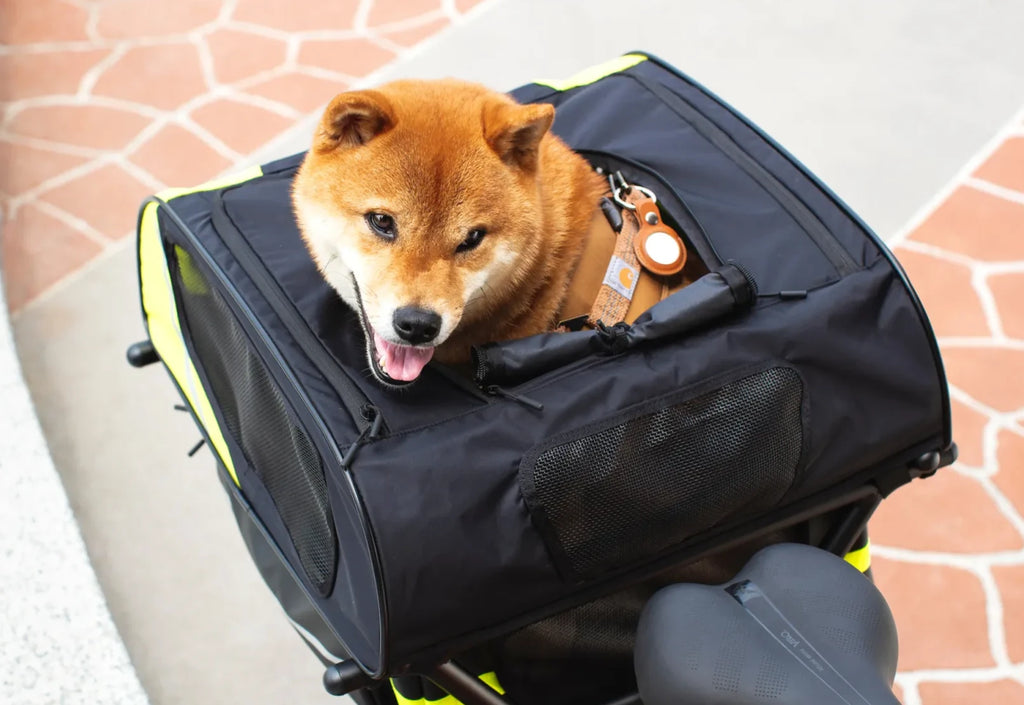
pixel 796 626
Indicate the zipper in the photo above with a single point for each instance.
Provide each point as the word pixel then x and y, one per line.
pixel 351 396
pixel 496 391
pixel 871 234
pixel 264 338
pixel 365 423
pixel 372 415
pixel 746 272
pixel 680 212
pixel 815 229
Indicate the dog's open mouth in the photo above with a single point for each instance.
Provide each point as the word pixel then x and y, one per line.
pixel 403 363
pixel 392 364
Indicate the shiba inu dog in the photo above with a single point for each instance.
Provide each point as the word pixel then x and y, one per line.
pixel 445 215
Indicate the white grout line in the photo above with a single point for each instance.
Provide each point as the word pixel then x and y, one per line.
pixel 92 76
pixel 152 183
pixel 258 78
pixel 965 675
pixel 988 304
pixel 258 101
pixel 1007 420
pixel 911 696
pixel 70 150
pixel 995 617
pixel 978 342
pixel 388 45
pixel 209 138
pixel 958 179
pixel 205 61
pixel 990 445
pixel 54 289
pixel 72 221
pixel 361 16
pixel 227 11
pixel 992 189
pixel 258 29
pixel 58 180
pixel 327 74
pixel 1005 506
pixel 961 561
pixel 63 100
pixel 993 268
pixel 449 9
pixel 939 253
pixel 409 23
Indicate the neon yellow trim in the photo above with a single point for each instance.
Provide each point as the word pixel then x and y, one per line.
pixel 238 177
pixel 490 679
pixel 861 558
pixel 594 73
pixel 165 329
pixel 162 315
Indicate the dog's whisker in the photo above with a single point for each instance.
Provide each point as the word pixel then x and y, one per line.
pixel 480 296
pixel 323 270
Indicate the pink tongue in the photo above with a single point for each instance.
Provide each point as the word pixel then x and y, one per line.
pixel 401 362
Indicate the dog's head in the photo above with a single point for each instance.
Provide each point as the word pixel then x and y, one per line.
pixel 420 204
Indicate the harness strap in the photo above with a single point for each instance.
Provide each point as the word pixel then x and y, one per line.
pixel 611 283
pixel 623 273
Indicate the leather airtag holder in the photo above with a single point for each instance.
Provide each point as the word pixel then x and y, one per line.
pixel 658 248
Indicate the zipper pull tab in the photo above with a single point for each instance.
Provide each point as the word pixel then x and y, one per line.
pixel 372 414
pixel 496 391
pixel 378 421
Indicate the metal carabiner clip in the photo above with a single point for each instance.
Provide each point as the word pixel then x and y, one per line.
pixel 623 188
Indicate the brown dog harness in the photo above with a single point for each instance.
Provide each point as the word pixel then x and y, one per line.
pixel 622 274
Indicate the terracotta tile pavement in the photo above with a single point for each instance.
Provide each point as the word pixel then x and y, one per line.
pixel 105 101
pixel 950 550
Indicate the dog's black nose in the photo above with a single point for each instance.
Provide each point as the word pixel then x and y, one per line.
pixel 416 325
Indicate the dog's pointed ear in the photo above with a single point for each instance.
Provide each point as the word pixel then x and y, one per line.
pixel 514 131
pixel 352 119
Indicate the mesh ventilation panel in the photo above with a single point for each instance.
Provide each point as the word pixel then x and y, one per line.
pixel 257 417
pixel 629 491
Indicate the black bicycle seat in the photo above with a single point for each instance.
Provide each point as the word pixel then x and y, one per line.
pixel 796 626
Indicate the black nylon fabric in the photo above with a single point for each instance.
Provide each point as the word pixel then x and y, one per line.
pixel 356 580
pixel 438 550
pixel 742 219
pixel 499 551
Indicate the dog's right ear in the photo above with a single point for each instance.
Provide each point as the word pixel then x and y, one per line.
pixel 514 131
pixel 352 119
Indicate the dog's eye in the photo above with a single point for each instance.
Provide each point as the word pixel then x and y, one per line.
pixel 474 238
pixel 382 224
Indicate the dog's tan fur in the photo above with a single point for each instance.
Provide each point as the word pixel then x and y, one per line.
pixel 443 158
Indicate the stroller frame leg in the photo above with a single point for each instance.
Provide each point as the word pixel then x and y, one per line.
pixel 464 686
pixel 849 525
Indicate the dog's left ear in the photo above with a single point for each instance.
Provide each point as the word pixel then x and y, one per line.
pixel 514 131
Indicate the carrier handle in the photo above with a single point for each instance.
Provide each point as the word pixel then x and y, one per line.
pixel 344 677
pixel 142 353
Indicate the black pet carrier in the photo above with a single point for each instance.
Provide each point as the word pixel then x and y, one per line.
pixel 797 382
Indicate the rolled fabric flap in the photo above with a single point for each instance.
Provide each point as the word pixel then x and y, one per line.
pixel 714 295
pixel 516 361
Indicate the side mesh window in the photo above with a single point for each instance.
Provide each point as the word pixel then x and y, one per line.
pixel 611 497
pixel 257 417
